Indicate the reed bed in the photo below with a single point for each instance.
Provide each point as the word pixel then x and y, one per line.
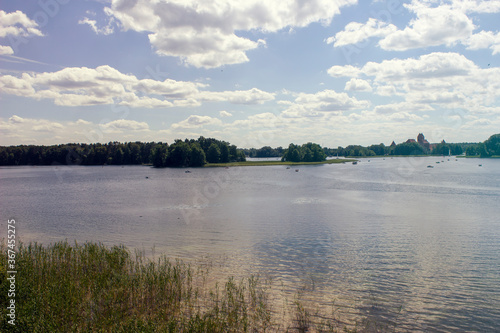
pixel 93 288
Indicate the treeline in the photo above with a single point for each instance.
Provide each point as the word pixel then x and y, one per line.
pixel 179 154
pixel 195 153
pixel 264 152
pixel 488 148
pixel 308 152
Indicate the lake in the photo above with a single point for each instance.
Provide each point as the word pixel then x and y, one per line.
pixel 391 240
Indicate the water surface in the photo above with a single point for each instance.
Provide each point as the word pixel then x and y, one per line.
pixel 388 239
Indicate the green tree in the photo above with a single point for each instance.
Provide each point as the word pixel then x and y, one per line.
pixel 159 156
pixel 197 158
pixel 178 154
pixel 471 150
pixel 408 148
pixel 492 145
pixel 213 154
pixel 224 153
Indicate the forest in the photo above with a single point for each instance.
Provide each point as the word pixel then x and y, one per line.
pixel 178 154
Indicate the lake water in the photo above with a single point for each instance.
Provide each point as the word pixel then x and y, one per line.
pixel 388 239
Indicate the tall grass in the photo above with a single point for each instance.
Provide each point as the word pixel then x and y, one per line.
pixel 94 288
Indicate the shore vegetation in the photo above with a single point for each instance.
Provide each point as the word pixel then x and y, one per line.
pixel 94 288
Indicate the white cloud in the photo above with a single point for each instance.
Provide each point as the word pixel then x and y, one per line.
pixel 326 101
pixel 357 85
pixel 343 71
pixel 121 125
pixel 435 23
pixel 225 114
pixel 195 121
pixel 434 65
pixel 16 25
pixel 106 30
pixel 6 50
pixel 204 34
pixel 483 40
pixel 252 96
pixel 77 86
pixel 16 119
pixel 401 107
pixel 45 132
pixel 449 80
pixel 441 25
pixel 355 32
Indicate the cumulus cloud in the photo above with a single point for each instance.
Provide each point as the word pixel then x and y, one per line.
pixel 6 50
pixel 124 125
pixel 42 131
pixel 77 86
pixel 355 32
pixel 195 121
pixel 393 108
pixel 204 34
pixel 484 40
pixel 225 114
pixel 252 96
pixel 357 85
pixel 343 71
pixel 16 25
pixel 435 23
pixel 446 79
pixel 326 101
pixel 441 25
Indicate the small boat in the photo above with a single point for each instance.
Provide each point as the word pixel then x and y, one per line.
pixel 287 168
pixel 480 165
pixel 147 177
pixel 296 170
pixel 430 166
pixel 437 162
pixel 355 162
pixel 187 171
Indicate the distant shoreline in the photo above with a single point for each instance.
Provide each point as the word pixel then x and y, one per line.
pixel 268 163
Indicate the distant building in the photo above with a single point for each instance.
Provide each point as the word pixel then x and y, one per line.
pixel 423 142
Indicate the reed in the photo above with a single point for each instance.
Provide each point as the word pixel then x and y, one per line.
pixel 93 288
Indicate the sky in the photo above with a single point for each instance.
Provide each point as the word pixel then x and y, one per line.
pixel 253 73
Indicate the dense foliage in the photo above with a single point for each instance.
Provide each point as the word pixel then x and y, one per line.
pixel 179 154
pixel 488 148
pixel 264 152
pixel 308 152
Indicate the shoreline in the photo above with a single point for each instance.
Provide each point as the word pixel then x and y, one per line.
pixel 268 163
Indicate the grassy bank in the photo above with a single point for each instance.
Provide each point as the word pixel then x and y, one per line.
pixel 477 156
pixel 267 163
pixel 93 288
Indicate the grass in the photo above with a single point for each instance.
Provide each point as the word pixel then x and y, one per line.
pixel 267 163
pixel 477 156
pixel 94 288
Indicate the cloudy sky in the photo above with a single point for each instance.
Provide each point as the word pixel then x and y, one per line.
pixel 252 72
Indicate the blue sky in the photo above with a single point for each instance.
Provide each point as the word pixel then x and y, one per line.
pixel 253 73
